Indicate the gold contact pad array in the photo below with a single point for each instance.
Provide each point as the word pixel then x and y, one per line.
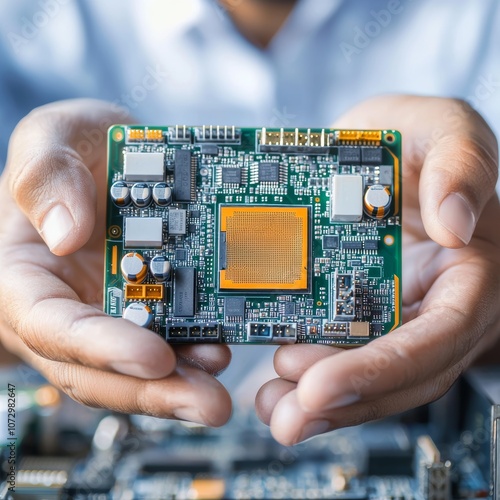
pixel 266 248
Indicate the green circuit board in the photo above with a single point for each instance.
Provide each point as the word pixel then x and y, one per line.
pixel 244 235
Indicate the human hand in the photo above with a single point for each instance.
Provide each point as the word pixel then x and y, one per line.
pixel 451 280
pixel 53 194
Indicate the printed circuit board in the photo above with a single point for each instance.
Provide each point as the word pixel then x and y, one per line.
pixel 244 235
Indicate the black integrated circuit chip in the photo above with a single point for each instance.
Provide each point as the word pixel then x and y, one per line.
pixel 330 242
pixel 371 156
pixel 234 308
pixel 269 171
pixel 352 245
pixel 180 254
pixel 231 175
pixel 371 244
pixel 349 155
pixel 183 175
pixel 184 292
pixel 209 149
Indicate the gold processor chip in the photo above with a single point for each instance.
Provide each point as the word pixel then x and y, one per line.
pixel 266 248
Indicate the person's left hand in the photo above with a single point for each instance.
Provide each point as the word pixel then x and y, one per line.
pixel 451 280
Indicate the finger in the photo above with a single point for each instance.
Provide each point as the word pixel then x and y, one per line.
pixel 290 424
pixel 290 362
pixel 214 359
pixel 423 262
pixel 450 147
pixel 187 394
pixel 51 154
pixel 453 316
pixel 457 180
pixel 268 396
pixel 211 358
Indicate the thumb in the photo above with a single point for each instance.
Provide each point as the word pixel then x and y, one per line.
pixel 52 168
pixel 457 180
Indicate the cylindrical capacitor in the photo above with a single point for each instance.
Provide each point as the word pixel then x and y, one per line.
pixel 139 313
pixel 141 194
pixel 377 201
pixel 162 194
pixel 120 194
pixel 160 268
pixel 134 268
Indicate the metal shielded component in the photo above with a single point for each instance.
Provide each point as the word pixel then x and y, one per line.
pixel 143 167
pixel 177 222
pixel 346 198
pixel 143 232
pixel 359 329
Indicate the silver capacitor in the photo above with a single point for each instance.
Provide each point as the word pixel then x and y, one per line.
pixel 160 268
pixel 120 194
pixel 141 194
pixel 377 201
pixel 162 194
pixel 138 313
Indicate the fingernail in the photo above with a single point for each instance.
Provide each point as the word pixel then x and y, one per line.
pixel 342 401
pixel 134 369
pixel 56 226
pixel 334 402
pixel 456 215
pixel 313 429
pixel 190 414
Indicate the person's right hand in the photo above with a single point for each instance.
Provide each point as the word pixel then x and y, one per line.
pixel 52 230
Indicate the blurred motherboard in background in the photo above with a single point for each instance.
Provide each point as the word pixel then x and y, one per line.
pixel 64 450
